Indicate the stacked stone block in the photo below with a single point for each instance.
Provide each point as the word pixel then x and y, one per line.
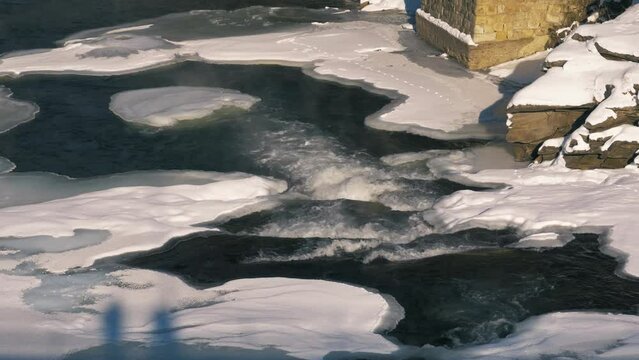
pixel 503 29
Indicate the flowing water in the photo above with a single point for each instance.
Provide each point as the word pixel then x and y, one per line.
pixel 347 217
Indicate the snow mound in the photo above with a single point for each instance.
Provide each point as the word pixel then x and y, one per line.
pixel 166 106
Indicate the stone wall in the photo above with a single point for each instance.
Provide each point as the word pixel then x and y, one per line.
pixel 503 29
pixel 502 20
pixel 442 40
pixel 459 14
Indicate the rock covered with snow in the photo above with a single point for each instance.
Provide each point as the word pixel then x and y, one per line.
pixel 588 96
pixel 162 107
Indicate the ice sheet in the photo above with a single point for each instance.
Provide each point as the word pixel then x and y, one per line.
pixel 162 107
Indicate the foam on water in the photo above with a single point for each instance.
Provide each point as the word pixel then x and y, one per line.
pixel 334 220
pixel 367 251
pixel 162 107
pixel 392 249
pixel 408 254
pixel 319 166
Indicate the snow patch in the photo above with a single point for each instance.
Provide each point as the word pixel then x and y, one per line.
pixel 544 240
pixel 138 218
pixel 163 107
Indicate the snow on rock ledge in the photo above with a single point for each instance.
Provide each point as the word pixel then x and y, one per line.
pixel 594 78
pixel 162 107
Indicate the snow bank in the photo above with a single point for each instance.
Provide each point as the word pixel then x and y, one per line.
pixel 138 218
pixel 161 107
pixel 621 133
pixel 66 224
pixel 521 71
pixel 456 165
pixel 14 112
pixel 587 72
pixel 306 318
pixel 366 52
pixel 542 199
pixel 569 335
pixel 545 203
pixel 26 332
pixel 379 5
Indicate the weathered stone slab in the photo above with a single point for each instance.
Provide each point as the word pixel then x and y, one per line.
pixel 535 127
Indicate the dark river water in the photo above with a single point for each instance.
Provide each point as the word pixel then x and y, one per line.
pixel 90 140
pixel 456 289
pixel 33 24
